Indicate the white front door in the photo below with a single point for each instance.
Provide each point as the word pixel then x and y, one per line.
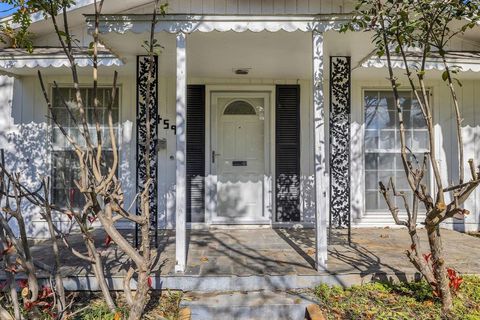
pixel 238 157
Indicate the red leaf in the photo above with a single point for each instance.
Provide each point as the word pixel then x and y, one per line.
pixel 69 215
pixel 72 195
pixel 108 240
pixel 23 283
pixel 427 256
pixel 11 269
pixel 46 293
pixel 149 280
pixel 28 305
pixel 9 248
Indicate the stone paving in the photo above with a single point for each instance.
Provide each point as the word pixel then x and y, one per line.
pixel 374 253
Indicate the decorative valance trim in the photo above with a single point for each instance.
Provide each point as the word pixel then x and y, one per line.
pixel 52 57
pixel 467 61
pixel 192 23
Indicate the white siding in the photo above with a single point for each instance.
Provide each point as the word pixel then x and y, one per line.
pixel 24 135
pixel 469 99
pixel 28 139
pixel 246 7
pixel 447 153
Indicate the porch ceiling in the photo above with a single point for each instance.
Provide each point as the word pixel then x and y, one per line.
pixel 268 55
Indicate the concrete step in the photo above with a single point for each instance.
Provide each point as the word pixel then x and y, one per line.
pixel 378 219
pixel 248 305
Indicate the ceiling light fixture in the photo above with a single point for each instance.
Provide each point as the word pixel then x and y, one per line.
pixel 241 71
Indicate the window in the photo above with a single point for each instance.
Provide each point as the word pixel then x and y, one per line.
pixel 65 169
pixel 382 143
pixel 239 107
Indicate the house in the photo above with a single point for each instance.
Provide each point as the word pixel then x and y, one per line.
pixel 266 115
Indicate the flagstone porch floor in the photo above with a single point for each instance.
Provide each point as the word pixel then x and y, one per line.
pixel 278 258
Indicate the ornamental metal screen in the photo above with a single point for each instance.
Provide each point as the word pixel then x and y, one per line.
pixel 152 110
pixel 340 105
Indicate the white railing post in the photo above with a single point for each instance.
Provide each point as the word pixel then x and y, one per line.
pixel 181 155
pixel 321 146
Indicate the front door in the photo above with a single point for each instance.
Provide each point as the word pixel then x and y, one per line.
pixel 238 157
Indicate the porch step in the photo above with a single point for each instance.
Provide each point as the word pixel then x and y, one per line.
pixel 248 305
pixel 381 219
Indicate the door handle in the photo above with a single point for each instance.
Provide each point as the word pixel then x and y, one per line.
pixel 214 155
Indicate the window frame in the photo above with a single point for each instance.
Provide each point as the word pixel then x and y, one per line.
pixel 52 125
pixel 430 182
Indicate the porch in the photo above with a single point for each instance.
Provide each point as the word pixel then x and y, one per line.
pixel 267 259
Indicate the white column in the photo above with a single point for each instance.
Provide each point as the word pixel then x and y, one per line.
pixel 321 145
pixel 181 155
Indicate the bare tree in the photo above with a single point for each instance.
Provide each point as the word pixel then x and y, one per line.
pixel 98 183
pixel 428 28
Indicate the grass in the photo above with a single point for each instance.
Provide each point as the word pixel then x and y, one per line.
pixel 412 300
pixel 163 305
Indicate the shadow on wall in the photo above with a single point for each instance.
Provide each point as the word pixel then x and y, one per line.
pixel 471 138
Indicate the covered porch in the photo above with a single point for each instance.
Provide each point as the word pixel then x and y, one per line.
pixel 225 54
pixel 266 259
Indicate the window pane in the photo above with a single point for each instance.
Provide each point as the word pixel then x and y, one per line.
pixel 371 139
pixel 371 161
pixel 386 161
pixel 382 144
pixel 64 160
pixel 420 140
pixel 387 139
pixel 371 180
pixel 239 108
pixel 371 200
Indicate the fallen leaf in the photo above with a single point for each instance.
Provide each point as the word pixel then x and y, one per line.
pixel 117 316
pixel 25 292
pixel 311 252
pixel 203 259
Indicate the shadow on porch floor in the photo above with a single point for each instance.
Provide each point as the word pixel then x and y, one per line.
pixel 373 254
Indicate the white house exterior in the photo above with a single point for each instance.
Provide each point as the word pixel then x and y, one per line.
pixel 267 115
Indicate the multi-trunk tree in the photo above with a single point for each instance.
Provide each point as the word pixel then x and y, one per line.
pixel 416 30
pixel 98 180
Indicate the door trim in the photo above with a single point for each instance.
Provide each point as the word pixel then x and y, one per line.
pixel 269 144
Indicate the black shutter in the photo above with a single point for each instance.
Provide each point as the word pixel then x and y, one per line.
pixel 287 153
pixel 195 153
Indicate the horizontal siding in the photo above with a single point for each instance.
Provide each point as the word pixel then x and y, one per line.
pixel 254 7
pixel 447 151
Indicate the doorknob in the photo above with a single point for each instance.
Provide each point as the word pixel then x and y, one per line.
pixel 214 155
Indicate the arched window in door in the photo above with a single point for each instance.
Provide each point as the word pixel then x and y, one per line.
pixel 239 107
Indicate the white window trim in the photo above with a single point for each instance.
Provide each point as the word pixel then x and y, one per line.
pixel 51 125
pixel 361 118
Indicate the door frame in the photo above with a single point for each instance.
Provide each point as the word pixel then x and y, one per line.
pixel 269 150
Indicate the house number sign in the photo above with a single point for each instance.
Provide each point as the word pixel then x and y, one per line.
pixel 167 125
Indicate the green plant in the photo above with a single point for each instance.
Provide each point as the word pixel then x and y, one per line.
pixel 100 311
pixel 403 300
pixel 170 305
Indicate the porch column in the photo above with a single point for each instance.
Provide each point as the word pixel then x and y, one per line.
pixel 181 155
pixel 321 145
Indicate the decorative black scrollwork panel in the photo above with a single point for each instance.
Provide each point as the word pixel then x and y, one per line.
pixel 340 105
pixel 149 108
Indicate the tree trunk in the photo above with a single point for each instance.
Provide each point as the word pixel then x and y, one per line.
pixel 99 274
pixel 417 259
pixel 59 288
pixel 439 269
pixel 30 267
pixel 140 299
